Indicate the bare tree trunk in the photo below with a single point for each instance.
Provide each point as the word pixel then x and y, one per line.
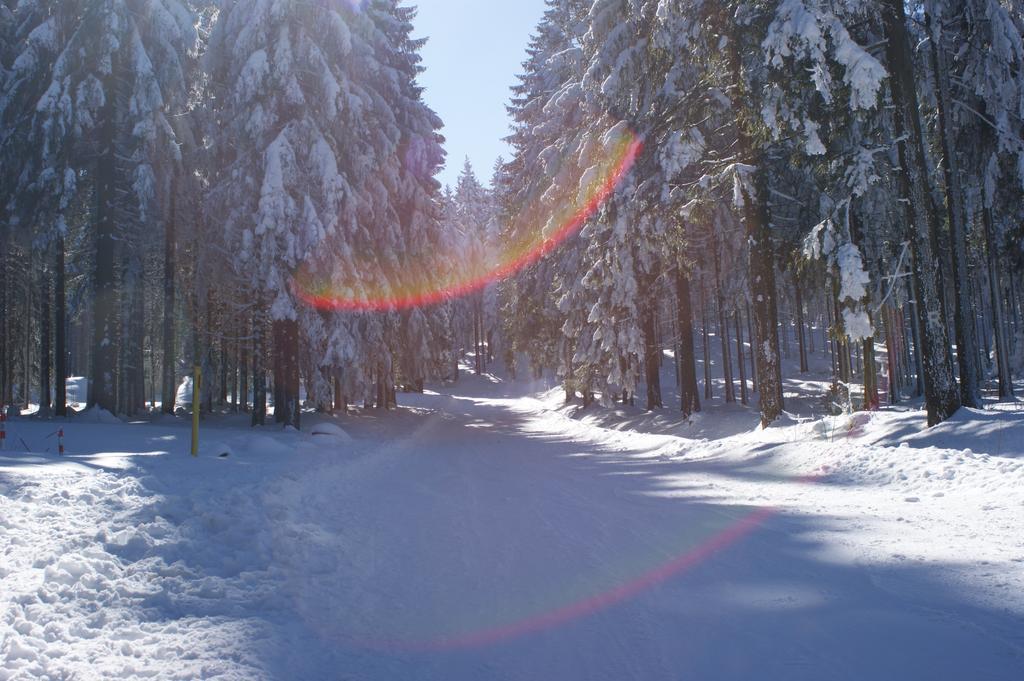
pixel 223 392
pixel 382 397
pixel 569 383
pixel 1014 304
pixel 753 354
pixel 286 349
pixel 942 397
pixel 801 332
pixel 243 362
pixel 810 334
pixel 998 324
pixel 477 359
pixel 26 366
pixel 785 324
pixel 61 350
pixel 759 239
pixel 5 323
pixel 723 329
pixel 102 388
pixel 236 359
pixel 652 352
pixel 872 402
pixel 259 385
pixel 340 402
pixel 890 353
pixel 706 338
pixel 739 356
pixel 137 335
pixel 833 351
pixel 45 342
pixel 842 348
pixel 690 401
pixel 963 309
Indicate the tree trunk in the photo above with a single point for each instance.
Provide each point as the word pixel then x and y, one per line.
pixel 800 330
pixel 102 386
pixel 1014 303
pixel 723 329
pixel 998 324
pixel 690 401
pixel 477 363
pixel 752 353
pixel 942 397
pixel 137 335
pixel 652 352
pixel 569 380
pixel 5 324
pixel 340 405
pixel 833 353
pixel 26 366
pixel 706 342
pixel 243 370
pixel 785 336
pixel 871 400
pixel 761 253
pixel 209 354
pixel 259 386
pixel 762 288
pixel 908 321
pixel 223 392
pixel 890 353
pixel 45 332
pixel 286 351
pixel 739 357
pixel 842 343
pixel 61 351
pixel 235 370
pixel 762 273
pixel 169 382
pixel 963 309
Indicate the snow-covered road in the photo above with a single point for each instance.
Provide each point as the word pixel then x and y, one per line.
pixel 480 536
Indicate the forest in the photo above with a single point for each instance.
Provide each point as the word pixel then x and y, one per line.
pixel 710 376
pixel 249 187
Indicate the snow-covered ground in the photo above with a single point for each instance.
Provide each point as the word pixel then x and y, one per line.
pixel 487 532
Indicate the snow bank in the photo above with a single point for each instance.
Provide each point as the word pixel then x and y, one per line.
pixel 503 532
pixel 330 430
pixel 98 414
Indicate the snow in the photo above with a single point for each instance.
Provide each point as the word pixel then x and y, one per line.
pixel 486 531
pixel 804 29
pixel 99 415
pixel 853 280
pixel 331 430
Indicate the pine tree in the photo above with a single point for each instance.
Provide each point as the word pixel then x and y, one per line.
pixel 280 138
pixel 88 113
pixel 940 387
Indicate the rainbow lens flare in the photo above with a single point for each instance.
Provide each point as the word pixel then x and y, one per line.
pixel 435 278
pixel 697 552
pixel 586 606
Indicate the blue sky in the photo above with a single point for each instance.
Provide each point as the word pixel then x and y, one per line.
pixel 475 50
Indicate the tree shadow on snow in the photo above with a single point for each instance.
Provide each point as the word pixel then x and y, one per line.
pixel 479 549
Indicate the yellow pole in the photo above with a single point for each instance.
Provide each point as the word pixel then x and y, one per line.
pixel 197 383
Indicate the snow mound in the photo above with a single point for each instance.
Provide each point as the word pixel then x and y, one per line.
pixel 100 415
pixel 219 449
pixel 331 430
pixel 184 392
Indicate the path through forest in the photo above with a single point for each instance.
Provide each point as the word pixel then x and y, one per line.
pixel 483 535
